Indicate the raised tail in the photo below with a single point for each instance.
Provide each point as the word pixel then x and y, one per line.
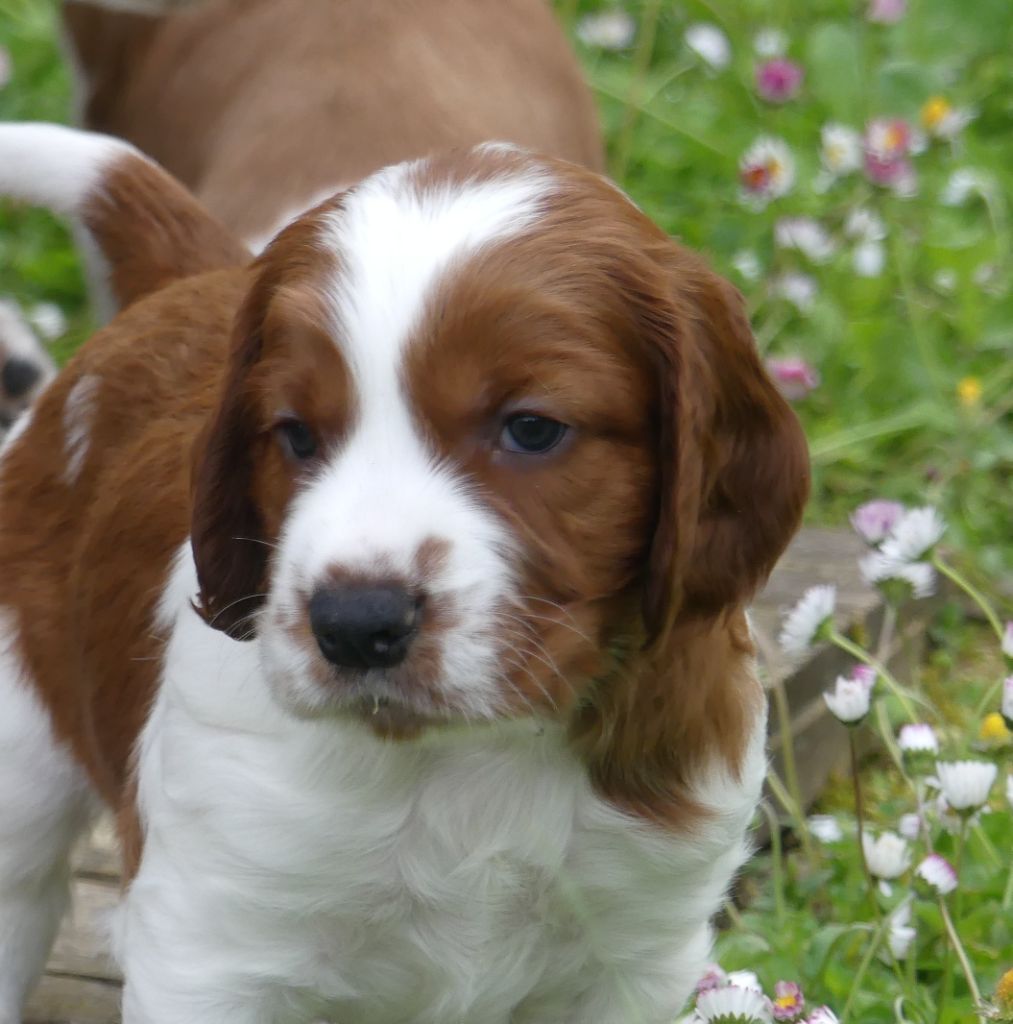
pixel 141 229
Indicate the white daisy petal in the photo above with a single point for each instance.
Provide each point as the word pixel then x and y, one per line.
pixel 914 536
pixel 733 1004
pixel 966 784
pixel 918 738
pixel 887 856
pixel 710 44
pixel 803 623
pixel 849 700
pixel 938 874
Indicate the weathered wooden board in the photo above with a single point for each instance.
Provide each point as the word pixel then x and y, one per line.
pixel 81 984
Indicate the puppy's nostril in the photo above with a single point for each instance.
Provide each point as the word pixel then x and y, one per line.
pixel 19 376
pixel 364 626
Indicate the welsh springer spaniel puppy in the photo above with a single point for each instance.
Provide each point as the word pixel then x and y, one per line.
pixel 390 587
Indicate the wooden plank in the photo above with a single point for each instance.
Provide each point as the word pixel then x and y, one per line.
pixel 72 1000
pixel 98 854
pixel 81 947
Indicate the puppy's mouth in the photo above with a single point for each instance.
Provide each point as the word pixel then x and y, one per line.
pixel 389 718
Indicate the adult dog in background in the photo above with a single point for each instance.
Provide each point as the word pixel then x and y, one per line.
pixel 391 590
pixel 263 107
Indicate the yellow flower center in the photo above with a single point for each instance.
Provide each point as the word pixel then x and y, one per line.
pixel 787 1002
pixel 993 730
pixel 969 391
pixel 935 111
pixel 1004 992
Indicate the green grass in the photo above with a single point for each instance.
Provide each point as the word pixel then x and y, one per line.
pixel 886 419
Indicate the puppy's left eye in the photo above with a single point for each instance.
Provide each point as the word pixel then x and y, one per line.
pixel 529 434
pixel 297 438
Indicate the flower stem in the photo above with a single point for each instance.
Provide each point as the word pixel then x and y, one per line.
pixel 958 947
pixel 866 658
pixel 972 592
pixel 777 860
pixel 790 765
pixel 856 981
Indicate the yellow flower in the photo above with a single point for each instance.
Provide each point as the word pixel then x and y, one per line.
pixel 969 392
pixel 1004 992
pixel 935 111
pixel 993 733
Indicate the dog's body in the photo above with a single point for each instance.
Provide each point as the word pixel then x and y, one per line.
pixel 482 384
pixel 261 107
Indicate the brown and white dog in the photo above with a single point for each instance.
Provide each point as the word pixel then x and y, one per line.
pixel 391 589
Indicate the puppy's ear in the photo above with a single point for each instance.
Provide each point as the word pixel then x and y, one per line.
pixel 146 228
pixel 734 464
pixel 226 527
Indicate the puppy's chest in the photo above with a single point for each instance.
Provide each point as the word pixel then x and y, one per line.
pixel 450 878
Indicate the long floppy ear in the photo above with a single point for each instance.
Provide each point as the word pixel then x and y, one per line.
pixel 226 528
pixel 734 461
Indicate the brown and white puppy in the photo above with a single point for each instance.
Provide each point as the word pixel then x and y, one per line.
pixel 391 590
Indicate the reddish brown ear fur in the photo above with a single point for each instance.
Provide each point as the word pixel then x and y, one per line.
pixel 226 530
pixel 734 461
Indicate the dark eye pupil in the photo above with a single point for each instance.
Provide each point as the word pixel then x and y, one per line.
pixel 300 440
pixel 529 433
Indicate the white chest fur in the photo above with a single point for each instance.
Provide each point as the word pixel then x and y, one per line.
pixel 295 870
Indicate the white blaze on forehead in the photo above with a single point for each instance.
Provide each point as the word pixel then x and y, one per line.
pixel 395 239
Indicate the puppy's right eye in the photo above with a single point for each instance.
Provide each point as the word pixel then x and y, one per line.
pixel 297 439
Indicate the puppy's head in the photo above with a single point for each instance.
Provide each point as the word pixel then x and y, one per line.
pixel 487 433
pixel 25 365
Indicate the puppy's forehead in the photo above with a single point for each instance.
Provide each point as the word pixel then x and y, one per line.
pixel 401 232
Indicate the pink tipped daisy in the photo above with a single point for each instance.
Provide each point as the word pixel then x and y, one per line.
pixel 917 738
pixel 794 377
pixel 822 1015
pixel 731 1004
pixel 713 977
pixel 810 620
pixel 965 785
pixel 849 700
pixel 898 580
pixel 779 79
pixel 937 874
pixel 766 171
pixel 874 520
pixel 788 1002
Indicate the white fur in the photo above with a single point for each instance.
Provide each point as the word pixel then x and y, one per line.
pixel 395 244
pixel 298 869
pixel 44 803
pixel 18 340
pixel 52 166
pixel 78 418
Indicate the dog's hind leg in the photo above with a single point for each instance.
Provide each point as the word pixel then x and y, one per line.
pixel 45 801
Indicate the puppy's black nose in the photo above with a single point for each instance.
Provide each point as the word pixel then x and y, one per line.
pixel 364 626
pixel 18 376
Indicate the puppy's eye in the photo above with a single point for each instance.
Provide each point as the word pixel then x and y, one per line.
pixel 531 435
pixel 296 438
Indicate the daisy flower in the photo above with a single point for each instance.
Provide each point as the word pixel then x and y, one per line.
pixel 886 12
pixel 840 149
pixel 917 738
pixel 745 979
pixel 794 377
pixel 942 120
pixel 806 235
pixel 993 731
pixel 965 784
pixel 731 1004
pixel 608 30
pixel 809 621
pixel 962 184
pixel 849 700
pixel 1007 697
pixel 822 1015
pixel 937 875
pixel 914 536
pixel 766 170
pixel 779 80
pixel 798 289
pixel 825 828
pixel 713 977
pixel 1007 641
pixel 901 933
pixel 770 42
pixel 710 44
pixel 910 826
pixel 747 263
pixel 917 579
pixel 874 520
pixel 788 1002
pixel 887 856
